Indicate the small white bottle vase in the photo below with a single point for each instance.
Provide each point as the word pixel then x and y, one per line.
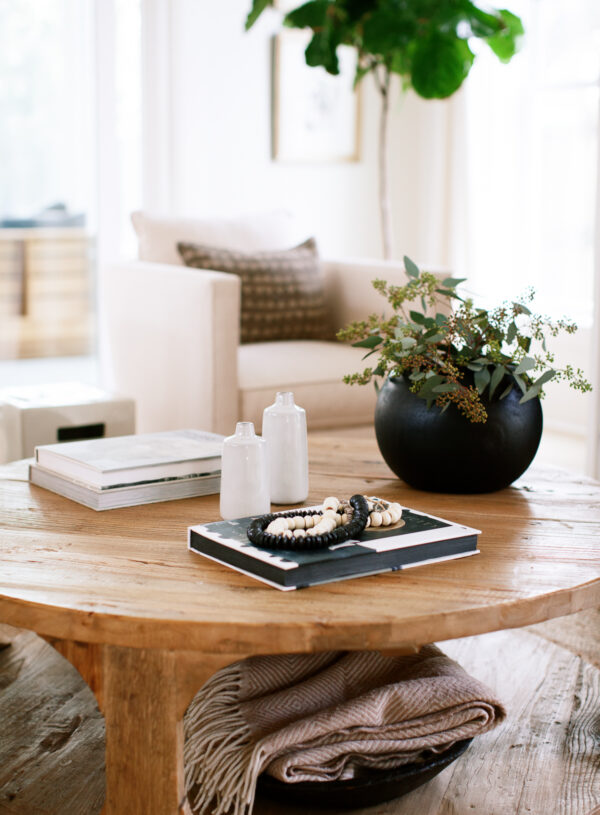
pixel 284 429
pixel 244 474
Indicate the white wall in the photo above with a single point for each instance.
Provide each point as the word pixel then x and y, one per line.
pixel 221 140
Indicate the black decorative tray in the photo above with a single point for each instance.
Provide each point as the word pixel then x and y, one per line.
pixel 374 787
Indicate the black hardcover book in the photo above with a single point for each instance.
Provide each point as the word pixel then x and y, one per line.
pixel 417 539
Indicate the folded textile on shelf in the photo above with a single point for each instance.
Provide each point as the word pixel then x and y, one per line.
pixel 325 717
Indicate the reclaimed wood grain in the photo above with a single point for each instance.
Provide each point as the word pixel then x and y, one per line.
pixel 52 733
pixel 126 576
pixel 117 589
pixel 543 759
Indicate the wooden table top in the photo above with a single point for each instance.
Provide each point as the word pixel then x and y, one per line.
pixel 126 577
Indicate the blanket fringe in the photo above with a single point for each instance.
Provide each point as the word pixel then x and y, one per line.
pixel 219 755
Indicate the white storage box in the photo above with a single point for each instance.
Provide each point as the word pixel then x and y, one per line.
pixel 67 411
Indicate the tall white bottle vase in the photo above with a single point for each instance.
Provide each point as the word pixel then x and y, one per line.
pixel 284 429
pixel 244 474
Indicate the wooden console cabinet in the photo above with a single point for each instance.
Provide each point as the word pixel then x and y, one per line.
pixel 46 292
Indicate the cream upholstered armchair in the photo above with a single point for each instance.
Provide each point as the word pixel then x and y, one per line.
pixel 169 334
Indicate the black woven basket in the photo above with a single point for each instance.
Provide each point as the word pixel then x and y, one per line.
pixel 374 787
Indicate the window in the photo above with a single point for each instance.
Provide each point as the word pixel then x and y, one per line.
pixel 532 131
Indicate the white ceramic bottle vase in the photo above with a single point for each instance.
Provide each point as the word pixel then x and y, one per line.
pixel 284 430
pixel 244 474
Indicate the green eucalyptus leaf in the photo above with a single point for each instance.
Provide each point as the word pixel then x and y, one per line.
pixel 545 377
pixel 526 364
pixel 417 317
pixel 511 333
pixel 416 376
pixel 441 62
pixel 429 384
pixel 408 342
pixel 412 270
pixel 435 338
pixel 520 382
pixel 474 366
pixel 506 391
pixel 482 379
pixel 453 281
pixel 497 377
pixel 368 342
pixel 530 393
pixel 448 387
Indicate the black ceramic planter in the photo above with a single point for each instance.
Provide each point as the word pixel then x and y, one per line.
pixel 445 452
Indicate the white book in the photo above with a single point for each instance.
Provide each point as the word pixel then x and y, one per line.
pixel 148 492
pixel 122 460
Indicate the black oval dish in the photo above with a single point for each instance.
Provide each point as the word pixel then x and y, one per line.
pixel 376 787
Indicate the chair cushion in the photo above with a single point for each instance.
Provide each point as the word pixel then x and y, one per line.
pixel 313 370
pixel 158 236
pixel 283 294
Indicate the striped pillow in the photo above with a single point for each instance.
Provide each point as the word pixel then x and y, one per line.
pixel 283 295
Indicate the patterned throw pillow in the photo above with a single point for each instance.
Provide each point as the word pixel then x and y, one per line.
pixel 283 296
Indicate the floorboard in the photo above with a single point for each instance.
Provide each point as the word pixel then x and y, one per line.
pixel 545 760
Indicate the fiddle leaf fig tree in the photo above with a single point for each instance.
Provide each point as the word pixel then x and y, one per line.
pixel 427 43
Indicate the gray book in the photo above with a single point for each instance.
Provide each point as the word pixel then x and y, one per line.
pixel 149 492
pixel 123 460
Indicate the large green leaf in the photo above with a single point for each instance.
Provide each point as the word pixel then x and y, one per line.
pixel 321 50
pixel 312 15
pixel 440 64
pixel 388 28
pixel 258 6
pixel 506 42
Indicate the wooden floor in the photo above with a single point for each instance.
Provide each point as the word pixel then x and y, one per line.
pixel 545 760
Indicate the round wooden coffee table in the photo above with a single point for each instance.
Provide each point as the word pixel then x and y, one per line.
pixel 146 622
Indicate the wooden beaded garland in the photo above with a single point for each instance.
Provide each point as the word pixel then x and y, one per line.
pixel 279 531
pixel 335 522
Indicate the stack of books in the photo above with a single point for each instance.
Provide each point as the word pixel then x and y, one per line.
pixel 124 471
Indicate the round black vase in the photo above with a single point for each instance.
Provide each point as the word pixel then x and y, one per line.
pixel 445 452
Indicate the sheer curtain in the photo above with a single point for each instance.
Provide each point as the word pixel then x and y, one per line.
pixel 524 186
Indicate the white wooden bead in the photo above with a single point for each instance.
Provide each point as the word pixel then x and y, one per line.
pixel 370 506
pixel 291 523
pixel 331 503
pixel 299 533
pixel 329 513
pixel 298 522
pixel 344 518
pixel 375 518
pixel 395 513
pixel 386 518
pixel 368 524
pixel 288 533
pixel 309 521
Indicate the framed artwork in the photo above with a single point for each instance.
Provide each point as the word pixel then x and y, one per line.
pixel 315 116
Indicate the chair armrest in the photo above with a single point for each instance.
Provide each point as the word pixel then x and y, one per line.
pixel 168 338
pixel 349 291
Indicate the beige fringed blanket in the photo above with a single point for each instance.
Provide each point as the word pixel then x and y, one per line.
pixel 322 717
